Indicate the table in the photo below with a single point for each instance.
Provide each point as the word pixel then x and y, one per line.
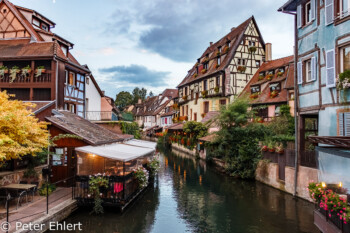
pixel 19 187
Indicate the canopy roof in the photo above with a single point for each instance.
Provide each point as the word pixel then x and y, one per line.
pixel 141 143
pixel 118 151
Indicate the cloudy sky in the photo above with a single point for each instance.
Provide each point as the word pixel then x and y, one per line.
pixel 152 44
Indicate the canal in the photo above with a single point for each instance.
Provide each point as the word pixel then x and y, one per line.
pixel 191 196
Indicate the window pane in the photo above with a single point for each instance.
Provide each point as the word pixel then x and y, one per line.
pixel 346 58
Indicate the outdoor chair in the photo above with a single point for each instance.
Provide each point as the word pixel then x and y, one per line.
pixel 3 196
pixel 18 195
pixel 35 189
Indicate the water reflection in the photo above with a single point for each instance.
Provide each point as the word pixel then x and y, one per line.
pixel 188 196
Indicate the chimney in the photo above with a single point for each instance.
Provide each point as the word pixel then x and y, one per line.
pixel 233 29
pixel 103 92
pixel 211 43
pixel 268 52
pixel 139 101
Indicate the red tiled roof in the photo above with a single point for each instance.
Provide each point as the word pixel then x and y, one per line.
pixel 172 93
pixel 286 79
pixel 23 48
pixel 208 138
pixel 209 116
pixel 235 37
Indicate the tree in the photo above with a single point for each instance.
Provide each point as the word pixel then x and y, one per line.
pixel 123 99
pixel 151 94
pixel 139 94
pixel 195 129
pixel 20 132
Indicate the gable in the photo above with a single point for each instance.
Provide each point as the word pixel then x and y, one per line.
pixel 10 27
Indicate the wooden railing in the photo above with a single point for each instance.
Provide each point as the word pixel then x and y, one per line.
pixel 20 78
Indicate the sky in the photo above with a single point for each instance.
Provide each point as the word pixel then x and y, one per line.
pixel 153 44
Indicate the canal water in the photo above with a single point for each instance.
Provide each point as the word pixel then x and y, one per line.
pixel 191 196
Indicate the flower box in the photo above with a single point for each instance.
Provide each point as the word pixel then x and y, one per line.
pixel 184 97
pixel 273 94
pixel 216 89
pixel 254 95
pixel 241 69
pixel 204 71
pixel 280 74
pixel 204 94
pixel 261 77
pixel 269 77
pixel 217 66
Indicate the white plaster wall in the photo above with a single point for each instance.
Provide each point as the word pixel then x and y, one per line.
pixel 94 98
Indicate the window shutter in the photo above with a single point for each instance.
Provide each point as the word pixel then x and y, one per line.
pixel 347 124
pixel 299 15
pixel 341 124
pixel 329 11
pixel 313 69
pixel 330 66
pixel 313 9
pixel 300 73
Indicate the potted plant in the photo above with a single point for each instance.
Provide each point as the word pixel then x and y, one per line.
pixel 195 75
pixel 184 97
pixel 280 74
pixel 217 66
pixel 261 77
pixel 260 120
pixel 226 49
pixel 218 53
pixel 264 148
pixel 241 69
pixel 26 71
pixel 3 71
pixel 13 73
pixel 46 189
pixel 216 89
pixel 39 71
pixel 344 80
pixel 252 49
pixel 154 166
pixel 30 175
pixel 203 115
pixel 279 148
pixel 273 94
pixel 204 93
pixel 254 95
pixel 97 183
pixel 204 71
pixel 269 77
pixel 271 147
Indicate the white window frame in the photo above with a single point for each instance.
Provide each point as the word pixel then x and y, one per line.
pixel 308 19
pixel 308 71
pixel 342 50
pixel 341 10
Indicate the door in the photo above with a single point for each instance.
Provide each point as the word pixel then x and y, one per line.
pixel 63 166
pixel 206 107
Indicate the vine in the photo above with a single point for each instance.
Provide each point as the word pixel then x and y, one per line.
pixel 95 183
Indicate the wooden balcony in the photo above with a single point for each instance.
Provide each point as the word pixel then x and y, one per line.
pixel 343 142
pixel 20 78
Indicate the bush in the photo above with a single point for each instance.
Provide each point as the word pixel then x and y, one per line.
pixel 131 128
pixel 46 187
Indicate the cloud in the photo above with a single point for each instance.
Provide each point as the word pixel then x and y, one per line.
pixel 181 30
pixel 135 75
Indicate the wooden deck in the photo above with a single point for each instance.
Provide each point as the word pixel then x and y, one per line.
pixel 31 211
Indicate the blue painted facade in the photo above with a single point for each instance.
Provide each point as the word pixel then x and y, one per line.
pixel 314 40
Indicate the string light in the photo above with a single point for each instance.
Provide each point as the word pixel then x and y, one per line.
pixel 340 184
pixel 323 184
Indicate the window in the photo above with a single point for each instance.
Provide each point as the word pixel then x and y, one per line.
pixel 257 63
pixel 205 65
pixel 36 22
pixel 45 27
pixel 71 80
pixel 185 90
pixel 195 116
pixel 275 87
pixel 219 48
pixel 255 89
pixel 219 60
pixel 60 157
pixel 344 8
pixel 218 81
pixel 65 50
pixel 241 61
pixel 186 110
pixel 344 124
pixel 251 43
pixel 308 72
pixel 308 13
pixel 87 80
pixel 205 85
pixel 222 102
pixel 206 107
pixel 69 107
pixel 345 59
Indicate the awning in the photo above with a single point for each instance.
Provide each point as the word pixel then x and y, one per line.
pixel 118 151
pixel 141 143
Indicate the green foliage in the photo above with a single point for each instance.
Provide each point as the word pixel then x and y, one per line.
pixel 282 125
pixel 285 110
pixel 139 94
pixel 163 142
pixel 130 128
pixel 95 183
pixel 195 129
pixel 123 99
pixel 141 174
pixel 46 187
pixel 235 115
pixel 30 173
pixel 154 166
pixel 127 116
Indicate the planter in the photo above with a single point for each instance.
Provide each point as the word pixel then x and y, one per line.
pixel 271 150
pixel 204 71
pixel 269 77
pixel 280 152
pixel 264 148
pixel 241 69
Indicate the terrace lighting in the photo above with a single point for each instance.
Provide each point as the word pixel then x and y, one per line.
pixel 323 184
pixel 340 184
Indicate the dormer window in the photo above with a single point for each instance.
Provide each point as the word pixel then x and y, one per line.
pixel 64 49
pixel 228 44
pixel 219 60
pixel 255 89
pixel 220 48
pixel 36 22
pixel 45 27
pixel 275 87
pixel 205 65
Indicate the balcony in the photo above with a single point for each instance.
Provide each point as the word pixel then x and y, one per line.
pixel 101 116
pixel 343 142
pixel 20 78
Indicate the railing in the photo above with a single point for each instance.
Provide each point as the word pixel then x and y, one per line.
pixel 120 190
pixel 101 116
pixel 20 78
pixel 335 220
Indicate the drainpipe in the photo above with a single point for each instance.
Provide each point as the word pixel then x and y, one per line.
pixel 296 102
pixel 54 58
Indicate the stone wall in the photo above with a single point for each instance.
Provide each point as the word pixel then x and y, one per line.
pixel 14 177
pixel 267 173
pixel 183 149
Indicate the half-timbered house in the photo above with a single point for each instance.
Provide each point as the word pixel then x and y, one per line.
pixel 222 71
pixel 35 63
pixel 322 43
pixel 271 87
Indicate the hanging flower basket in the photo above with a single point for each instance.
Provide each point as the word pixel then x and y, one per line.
pixel 184 97
pixel 26 71
pixel 280 74
pixel 344 80
pixel 39 71
pixel 273 94
pixel 252 49
pixel 269 77
pixel 216 89
pixel 217 66
pixel 261 77
pixel 204 71
pixel 241 69
pixel 203 115
pixel 204 94
pixel 3 71
pixel 13 73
